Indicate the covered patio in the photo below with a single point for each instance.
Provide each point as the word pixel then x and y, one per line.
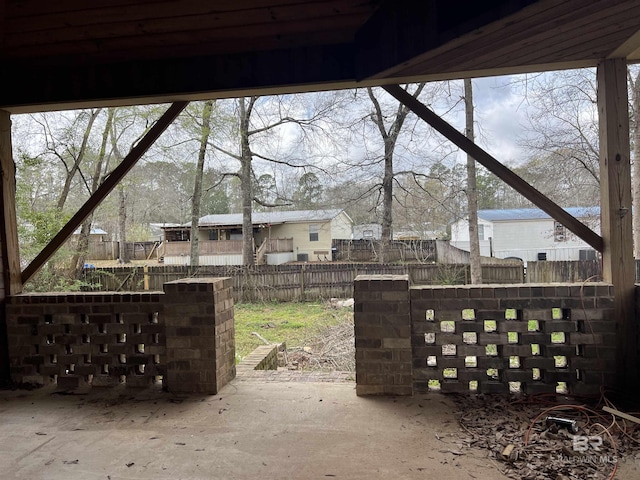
pixel 63 55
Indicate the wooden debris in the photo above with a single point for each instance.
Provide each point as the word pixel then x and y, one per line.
pixel 620 414
pixel 499 425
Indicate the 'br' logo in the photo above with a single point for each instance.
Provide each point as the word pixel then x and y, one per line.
pixel 582 443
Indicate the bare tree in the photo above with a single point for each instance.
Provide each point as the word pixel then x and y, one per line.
pixel 99 169
pixel 253 125
pixel 389 136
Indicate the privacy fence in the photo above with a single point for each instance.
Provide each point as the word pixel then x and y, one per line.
pixel 111 250
pixel 292 282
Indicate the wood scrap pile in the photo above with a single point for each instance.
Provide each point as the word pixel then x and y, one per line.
pixel 332 349
pixel 531 438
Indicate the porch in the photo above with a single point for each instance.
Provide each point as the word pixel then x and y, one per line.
pixel 225 252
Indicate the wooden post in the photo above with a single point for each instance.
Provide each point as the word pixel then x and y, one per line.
pixel 10 283
pixel 9 226
pixel 615 190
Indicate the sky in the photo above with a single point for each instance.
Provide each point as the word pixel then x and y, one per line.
pixel 500 116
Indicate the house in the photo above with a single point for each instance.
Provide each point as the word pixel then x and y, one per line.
pixel 528 233
pixel 367 231
pixel 279 237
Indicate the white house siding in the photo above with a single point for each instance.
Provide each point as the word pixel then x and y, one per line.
pixel 460 231
pixel 279 258
pixel 223 260
pixel 523 235
pixel 524 239
pixel 553 254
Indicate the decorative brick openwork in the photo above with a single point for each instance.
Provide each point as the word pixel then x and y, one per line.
pixel 499 339
pixel 530 339
pixel 184 335
pixel 75 339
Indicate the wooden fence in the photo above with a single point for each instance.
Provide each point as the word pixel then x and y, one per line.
pixel 110 250
pixel 292 282
pixel 564 271
pixel 396 251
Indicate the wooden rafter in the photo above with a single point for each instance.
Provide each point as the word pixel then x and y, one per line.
pixel 103 190
pixel 497 168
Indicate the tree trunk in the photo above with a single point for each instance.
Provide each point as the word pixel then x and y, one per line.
pixel 197 188
pixel 123 256
pixel 635 121
pixel 80 258
pixel 472 189
pixel 387 199
pixel 246 185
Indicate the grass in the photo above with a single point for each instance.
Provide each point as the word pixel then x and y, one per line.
pixel 293 323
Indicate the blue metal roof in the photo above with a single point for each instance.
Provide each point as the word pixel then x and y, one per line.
pixel 534 213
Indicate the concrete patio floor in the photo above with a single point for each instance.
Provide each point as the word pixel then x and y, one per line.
pixel 252 429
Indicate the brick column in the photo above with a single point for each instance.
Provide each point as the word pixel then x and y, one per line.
pixel 200 334
pixel 383 335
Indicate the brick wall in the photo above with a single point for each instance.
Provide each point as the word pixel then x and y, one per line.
pixel 184 335
pixel 383 335
pixel 200 334
pixel 79 338
pixel 264 357
pixel 491 339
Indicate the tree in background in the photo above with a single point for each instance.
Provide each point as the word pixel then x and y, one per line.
pixel 472 189
pixel 258 139
pixel 389 126
pixel 308 195
pixel 204 125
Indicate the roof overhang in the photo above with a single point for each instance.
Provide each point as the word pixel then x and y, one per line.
pixel 59 55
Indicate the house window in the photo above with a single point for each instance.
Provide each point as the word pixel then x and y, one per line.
pixel 213 235
pixel 367 234
pixel 314 230
pixel 559 232
pixel 480 232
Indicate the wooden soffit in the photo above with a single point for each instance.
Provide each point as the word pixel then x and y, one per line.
pixel 71 53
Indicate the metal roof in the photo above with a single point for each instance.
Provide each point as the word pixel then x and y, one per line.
pixel 94 231
pixel 511 214
pixel 273 217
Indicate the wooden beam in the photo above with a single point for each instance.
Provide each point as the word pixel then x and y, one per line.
pixel 629 49
pixel 401 31
pixel 618 266
pixel 497 168
pixel 103 190
pixel 10 252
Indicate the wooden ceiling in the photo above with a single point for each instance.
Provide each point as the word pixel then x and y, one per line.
pixel 68 53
